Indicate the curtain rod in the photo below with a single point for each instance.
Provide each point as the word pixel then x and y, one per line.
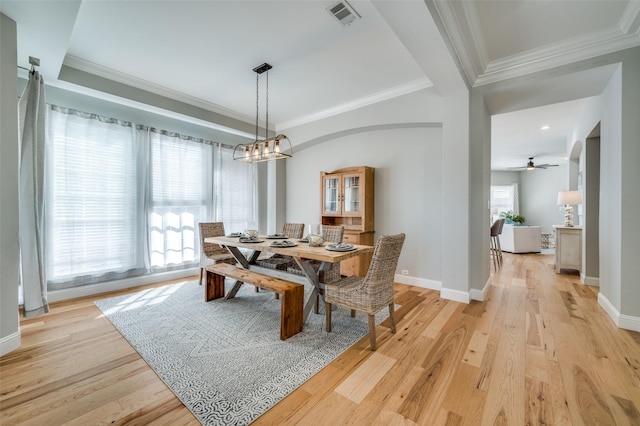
pixel 35 62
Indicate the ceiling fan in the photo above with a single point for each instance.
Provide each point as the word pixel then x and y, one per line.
pixel 531 166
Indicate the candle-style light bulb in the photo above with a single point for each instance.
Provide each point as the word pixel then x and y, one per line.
pixel 265 151
pixel 276 148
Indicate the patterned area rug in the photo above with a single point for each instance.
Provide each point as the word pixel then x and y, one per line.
pixel 225 360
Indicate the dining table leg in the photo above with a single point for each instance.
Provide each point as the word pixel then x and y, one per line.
pixel 242 260
pixel 311 274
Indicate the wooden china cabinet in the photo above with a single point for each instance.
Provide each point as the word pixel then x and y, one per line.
pixel 347 200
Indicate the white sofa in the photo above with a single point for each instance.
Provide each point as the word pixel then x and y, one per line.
pixel 521 239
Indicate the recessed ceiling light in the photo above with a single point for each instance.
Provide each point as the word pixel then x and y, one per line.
pixel 545 127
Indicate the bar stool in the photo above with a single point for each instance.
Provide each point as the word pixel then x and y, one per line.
pixel 494 243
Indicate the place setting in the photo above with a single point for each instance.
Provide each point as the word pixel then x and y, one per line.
pixel 340 247
pixel 277 236
pixel 250 236
pixel 283 243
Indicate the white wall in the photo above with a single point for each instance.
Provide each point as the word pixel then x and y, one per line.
pixel 479 158
pixel 607 109
pixel 539 196
pixel 159 119
pixel 9 252
pixel 408 188
pixel 499 177
pixel 618 110
pixel 630 189
pixel 398 115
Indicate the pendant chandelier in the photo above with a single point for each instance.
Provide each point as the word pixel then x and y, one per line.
pixel 268 148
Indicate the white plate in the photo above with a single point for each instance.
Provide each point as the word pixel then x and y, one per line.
pixel 277 237
pixel 282 244
pixel 340 247
pixel 250 240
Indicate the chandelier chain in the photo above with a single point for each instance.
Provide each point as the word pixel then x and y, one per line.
pixel 257 104
pixel 266 127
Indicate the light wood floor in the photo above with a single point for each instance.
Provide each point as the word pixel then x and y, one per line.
pixel 539 350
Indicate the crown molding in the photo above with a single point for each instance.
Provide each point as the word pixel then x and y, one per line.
pixel 459 34
pixel 403 89
pixel 462 24
pixel 108 73
pixel 630 19
pixel 111 74
pixel 576 49
pixel 470 10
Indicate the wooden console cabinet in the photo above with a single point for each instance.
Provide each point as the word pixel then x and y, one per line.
pixel 568 248
pixel 347 200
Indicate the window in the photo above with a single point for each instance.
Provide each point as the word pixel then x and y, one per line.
pixel 181 197
pixel 91 204
pixel 235 203
pixel 124 200
pixel 503 198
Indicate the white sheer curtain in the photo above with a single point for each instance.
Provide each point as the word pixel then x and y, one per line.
pixel 181 197
pixel 235 192
pixel 126 199
pixel 31 133
pixel 516 198
pixel 96 230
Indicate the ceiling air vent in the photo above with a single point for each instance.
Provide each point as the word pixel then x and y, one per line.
pixel 344 13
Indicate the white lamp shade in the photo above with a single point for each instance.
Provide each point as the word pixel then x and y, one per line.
pixel 569 197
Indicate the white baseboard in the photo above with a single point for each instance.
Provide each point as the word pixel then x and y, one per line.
pixel 455 295
pixel 592 281
pixel 445 293
pixel 9 343
pixel 626 322
pixel 480 295
pixel 92 289
pixel 418 282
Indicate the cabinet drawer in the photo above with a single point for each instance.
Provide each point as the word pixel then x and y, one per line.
pixel 351 238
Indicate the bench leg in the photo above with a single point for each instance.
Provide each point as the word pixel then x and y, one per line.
pixel 214 286
pixel 291 312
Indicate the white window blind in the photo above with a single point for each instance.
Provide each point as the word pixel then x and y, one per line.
pixel 181 198
pixel 503 198
pixel 235 195
pixel 124 199
pixel 92 214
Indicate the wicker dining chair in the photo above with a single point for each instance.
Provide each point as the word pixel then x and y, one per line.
pixel 330 234
pixel 293 230
pixel 212 253
pixel 373 292
pixel 281 261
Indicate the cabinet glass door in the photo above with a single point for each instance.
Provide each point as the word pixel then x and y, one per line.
pixel 331 195
pixel 351 194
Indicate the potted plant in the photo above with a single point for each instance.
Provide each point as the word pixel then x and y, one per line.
pixel 513 218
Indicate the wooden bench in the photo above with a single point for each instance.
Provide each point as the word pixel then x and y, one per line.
pixel 292 294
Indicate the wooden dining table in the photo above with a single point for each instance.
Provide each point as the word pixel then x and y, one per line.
pixel 302 253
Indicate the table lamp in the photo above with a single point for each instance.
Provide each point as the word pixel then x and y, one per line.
pixel 569 198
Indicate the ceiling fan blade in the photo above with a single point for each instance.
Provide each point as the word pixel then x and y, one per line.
pixel 530 166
